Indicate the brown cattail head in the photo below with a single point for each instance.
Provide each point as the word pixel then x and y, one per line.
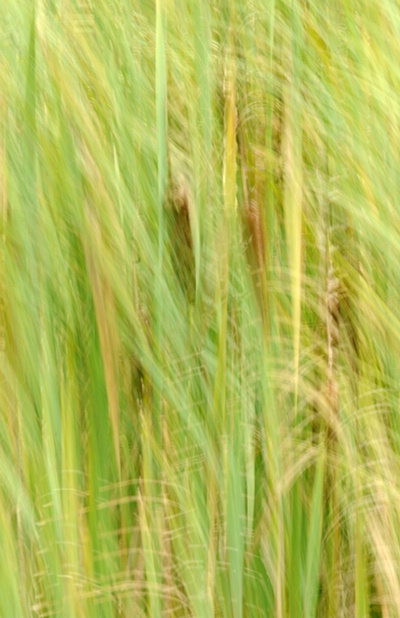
pixel 332 326
pixel 180 235
pixel 255 233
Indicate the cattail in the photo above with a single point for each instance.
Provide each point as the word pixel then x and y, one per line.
pixel 180 210
pixel 332 326
pixel 254 226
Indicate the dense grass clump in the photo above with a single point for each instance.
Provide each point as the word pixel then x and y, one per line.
pixel 199 316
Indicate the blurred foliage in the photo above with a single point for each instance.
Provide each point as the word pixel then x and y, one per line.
pixel 199 329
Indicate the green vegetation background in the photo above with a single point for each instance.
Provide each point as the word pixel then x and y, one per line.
pixel 199 317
